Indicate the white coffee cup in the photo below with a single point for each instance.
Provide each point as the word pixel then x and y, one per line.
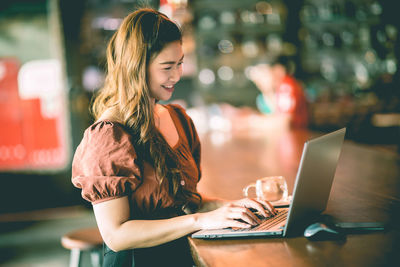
pixel 271 188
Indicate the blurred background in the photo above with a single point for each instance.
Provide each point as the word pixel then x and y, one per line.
pixel 344 53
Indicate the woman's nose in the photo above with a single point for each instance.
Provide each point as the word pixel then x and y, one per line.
pixel 176 74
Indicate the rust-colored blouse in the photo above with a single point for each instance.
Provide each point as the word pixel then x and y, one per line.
pixel 105 167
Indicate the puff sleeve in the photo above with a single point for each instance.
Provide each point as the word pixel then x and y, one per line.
pixel 105 163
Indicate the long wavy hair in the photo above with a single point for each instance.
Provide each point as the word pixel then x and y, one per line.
pixel 140 38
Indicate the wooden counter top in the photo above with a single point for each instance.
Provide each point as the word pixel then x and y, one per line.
pixel 366 188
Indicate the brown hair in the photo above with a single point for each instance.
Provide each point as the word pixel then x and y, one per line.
pixel 140 38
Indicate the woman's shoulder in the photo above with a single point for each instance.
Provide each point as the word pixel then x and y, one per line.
pixel 174 106
pixel 180 114
pixel 104 126
pixel 106 132
pixel 178 111
pixel 104 141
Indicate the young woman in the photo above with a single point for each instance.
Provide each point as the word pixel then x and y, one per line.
pixel 139 163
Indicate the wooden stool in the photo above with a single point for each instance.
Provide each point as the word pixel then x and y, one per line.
pixel 86 239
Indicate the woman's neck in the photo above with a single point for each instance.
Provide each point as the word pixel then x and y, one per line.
pixel 159 111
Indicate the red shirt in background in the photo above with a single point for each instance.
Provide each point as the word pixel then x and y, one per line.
pixel 290 99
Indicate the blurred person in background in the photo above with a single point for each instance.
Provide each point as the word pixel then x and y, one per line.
pixel 281 94
pixel 139 163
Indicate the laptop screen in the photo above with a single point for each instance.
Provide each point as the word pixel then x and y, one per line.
pixel 314 180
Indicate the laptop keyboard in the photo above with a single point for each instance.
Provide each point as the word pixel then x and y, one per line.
pixel 267 223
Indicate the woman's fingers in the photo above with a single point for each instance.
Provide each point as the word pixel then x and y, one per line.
pixel 268 206
pixel 260 205
pixel 238 213
pixel 261 208
pixel 244 214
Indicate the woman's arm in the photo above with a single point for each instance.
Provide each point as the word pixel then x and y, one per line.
pixel 211 203
pixel 119 232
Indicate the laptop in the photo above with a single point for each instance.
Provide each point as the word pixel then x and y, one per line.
pixel 310 195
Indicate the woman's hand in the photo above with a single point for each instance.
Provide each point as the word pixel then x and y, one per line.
pixel 235 214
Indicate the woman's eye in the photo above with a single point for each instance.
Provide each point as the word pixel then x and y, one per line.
pixel 170 67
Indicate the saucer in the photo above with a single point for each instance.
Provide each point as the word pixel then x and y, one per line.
pixel 283 202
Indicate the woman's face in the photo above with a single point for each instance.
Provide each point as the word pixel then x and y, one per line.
pixel 165 70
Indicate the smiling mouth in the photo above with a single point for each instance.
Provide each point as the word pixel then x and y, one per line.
pixel 169 87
